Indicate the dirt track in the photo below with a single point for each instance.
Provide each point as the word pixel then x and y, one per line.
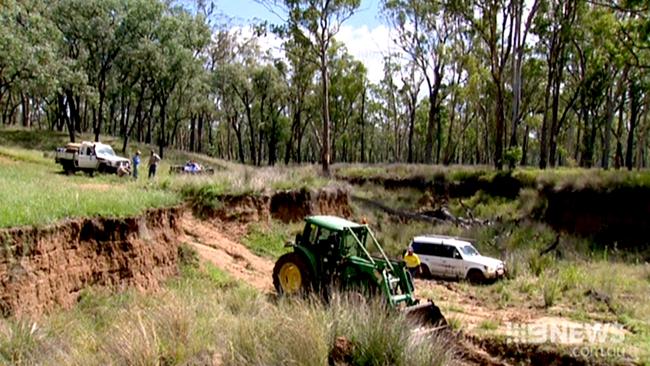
pixel 215 247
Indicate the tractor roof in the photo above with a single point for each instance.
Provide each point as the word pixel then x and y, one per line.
pixel 331 222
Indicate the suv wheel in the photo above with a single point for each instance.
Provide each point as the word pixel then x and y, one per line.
pixel 426 272
pixel 475 276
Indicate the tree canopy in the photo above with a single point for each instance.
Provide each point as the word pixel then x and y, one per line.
pixel 496 82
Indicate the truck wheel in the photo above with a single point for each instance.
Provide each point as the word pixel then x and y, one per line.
pixel 291 275
pixel 426 272
pixel 475 276
pixel 68 168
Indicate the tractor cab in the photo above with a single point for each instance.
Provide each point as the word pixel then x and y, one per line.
pixel 333 251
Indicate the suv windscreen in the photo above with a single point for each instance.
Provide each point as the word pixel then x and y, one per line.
pixel 469 250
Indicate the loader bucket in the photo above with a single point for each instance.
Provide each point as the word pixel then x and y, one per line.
pixel 427 314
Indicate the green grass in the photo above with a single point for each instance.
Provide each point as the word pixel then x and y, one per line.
pixel 575 178
pixel 194 319
pixel 489 325
pixel 268 240
pixel 33 192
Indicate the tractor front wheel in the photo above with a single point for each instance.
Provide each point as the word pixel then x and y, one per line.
pixel 291 275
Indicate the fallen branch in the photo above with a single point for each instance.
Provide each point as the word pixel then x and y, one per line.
pixel 551 247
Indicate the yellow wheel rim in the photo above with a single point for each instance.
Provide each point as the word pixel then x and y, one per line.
pixel 290 278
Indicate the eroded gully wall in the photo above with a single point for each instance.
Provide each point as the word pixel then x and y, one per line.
pixel 45 268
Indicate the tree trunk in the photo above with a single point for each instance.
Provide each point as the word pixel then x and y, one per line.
pixel 163 122
pixel 192 128
pixel 500 121
pixel 609 119
pixel 634 91
pixel 555 122
pixel 199 132
pixel 251 128
pixel 26 109
pixel 524 147
pixel 412 105
pixel 325 156
pixel 100 117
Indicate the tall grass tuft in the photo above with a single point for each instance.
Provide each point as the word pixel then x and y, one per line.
pixel 21 341
pixel 550 291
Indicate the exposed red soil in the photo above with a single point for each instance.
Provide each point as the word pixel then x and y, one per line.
pixel 286 206
pixel 215 247
pixel 45 268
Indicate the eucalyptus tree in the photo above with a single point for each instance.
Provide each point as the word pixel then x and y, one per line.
pixel 347 85
pixel 423 28
pixel 411 84
pixel 493 22
pixel 299 85
pixel 315 23
pixel 29 71
pixel 554 29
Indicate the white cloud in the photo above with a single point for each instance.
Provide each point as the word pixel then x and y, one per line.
pixel 369 45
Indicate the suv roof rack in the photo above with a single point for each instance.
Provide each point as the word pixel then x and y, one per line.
pixel 448 237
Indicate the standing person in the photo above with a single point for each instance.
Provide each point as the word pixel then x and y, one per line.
pixel 412 262
pixel 136 164
pixel 154 159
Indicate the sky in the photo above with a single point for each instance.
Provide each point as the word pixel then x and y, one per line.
pixel 365 34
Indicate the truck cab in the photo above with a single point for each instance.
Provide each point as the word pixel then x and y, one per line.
pixel 90 157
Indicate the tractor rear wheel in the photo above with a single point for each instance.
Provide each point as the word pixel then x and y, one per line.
pixel 291 275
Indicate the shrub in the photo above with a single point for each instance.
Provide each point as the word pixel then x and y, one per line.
pixel 455 323
pixel 550 291
pixel 538 264
pixel 489 324
pixel 512 156
pixel 187 256
pixel 203 198
pixel 269 240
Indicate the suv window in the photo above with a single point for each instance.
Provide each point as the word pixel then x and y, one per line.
pixel 428 249
pixel 447 251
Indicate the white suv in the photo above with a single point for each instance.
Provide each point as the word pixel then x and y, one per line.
pixel 454 258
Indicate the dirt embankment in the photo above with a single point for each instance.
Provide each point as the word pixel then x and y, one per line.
pixel 45 268
pixel 618 215
pixel 287 206
pixel 500 185
pixel 606 213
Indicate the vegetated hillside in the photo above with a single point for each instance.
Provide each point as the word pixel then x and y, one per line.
pixel 609 206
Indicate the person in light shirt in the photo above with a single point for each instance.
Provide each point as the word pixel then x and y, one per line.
pixel 412 262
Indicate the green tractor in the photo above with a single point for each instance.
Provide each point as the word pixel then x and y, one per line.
pixel 334 252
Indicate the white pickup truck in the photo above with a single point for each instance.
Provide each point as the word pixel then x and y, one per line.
pixel 90 157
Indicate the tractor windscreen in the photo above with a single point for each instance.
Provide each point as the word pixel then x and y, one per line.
pixel 350 243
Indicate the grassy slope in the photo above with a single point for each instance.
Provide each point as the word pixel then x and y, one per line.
pixel 33 191
pixel 205 317
pixel 577 178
